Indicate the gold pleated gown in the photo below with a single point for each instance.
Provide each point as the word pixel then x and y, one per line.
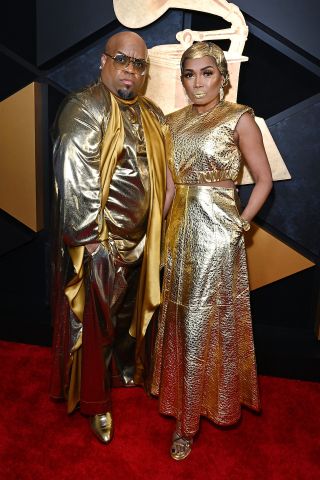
pixel 204 361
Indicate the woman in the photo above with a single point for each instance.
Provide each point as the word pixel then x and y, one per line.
pixel 204 355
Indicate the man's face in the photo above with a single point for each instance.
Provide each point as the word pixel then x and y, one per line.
pixel 123 81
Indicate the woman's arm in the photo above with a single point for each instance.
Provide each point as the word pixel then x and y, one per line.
pixel 170 190
pixel 250 142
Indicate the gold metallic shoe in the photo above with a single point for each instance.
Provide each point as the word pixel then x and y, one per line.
pixel 180 447
pixel 102 426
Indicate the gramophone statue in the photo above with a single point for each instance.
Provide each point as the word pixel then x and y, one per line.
pixel 164 85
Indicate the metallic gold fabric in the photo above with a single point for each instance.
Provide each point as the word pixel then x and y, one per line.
pixel 204 355
pixel 127 206
pixel 148 295
pixel 107 191
pixel 204 148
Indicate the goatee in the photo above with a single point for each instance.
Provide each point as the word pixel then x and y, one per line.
pixel 125 94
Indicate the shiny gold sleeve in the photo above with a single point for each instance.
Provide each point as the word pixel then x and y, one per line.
pixel 77 137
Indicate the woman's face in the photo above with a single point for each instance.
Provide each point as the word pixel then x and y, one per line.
pixel 202 80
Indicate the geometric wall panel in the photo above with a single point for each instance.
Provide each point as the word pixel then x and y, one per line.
pixel 296 21
pixel 82 69
pixel 296 211
pixel 269 259
pixel 14 76
pixel 270 81
pixel 277 165
pixel 61 24
pixel 292 211
pixel 13 235
pixel 22 155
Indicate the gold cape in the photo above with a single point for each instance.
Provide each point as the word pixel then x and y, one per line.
pixel 148 295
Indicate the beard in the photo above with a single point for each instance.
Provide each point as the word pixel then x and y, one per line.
pixel 125 94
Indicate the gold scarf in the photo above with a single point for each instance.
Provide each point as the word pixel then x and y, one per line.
pixel 148 294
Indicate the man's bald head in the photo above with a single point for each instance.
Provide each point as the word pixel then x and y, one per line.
pixel 129 38
pixel 124 82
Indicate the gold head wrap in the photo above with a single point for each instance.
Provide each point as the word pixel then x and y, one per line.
pixel 207 49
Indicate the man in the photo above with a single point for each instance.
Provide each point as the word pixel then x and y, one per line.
pixel 110 182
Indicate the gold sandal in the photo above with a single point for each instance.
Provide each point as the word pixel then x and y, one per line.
pixel 180 447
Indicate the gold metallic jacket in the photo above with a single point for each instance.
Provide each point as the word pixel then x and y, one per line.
pixel 84 166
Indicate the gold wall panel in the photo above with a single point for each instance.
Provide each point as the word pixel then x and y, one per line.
pixel 21 172
pixel 269 259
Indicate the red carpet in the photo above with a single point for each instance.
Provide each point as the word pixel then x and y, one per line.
pixel 39 441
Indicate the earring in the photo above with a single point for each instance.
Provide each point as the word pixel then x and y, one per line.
pixel 100 67
pixel 221 93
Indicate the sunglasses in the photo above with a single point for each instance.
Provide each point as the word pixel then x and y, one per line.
pixel 122 61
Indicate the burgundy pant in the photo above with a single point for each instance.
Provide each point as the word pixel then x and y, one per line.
pixel 110 296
